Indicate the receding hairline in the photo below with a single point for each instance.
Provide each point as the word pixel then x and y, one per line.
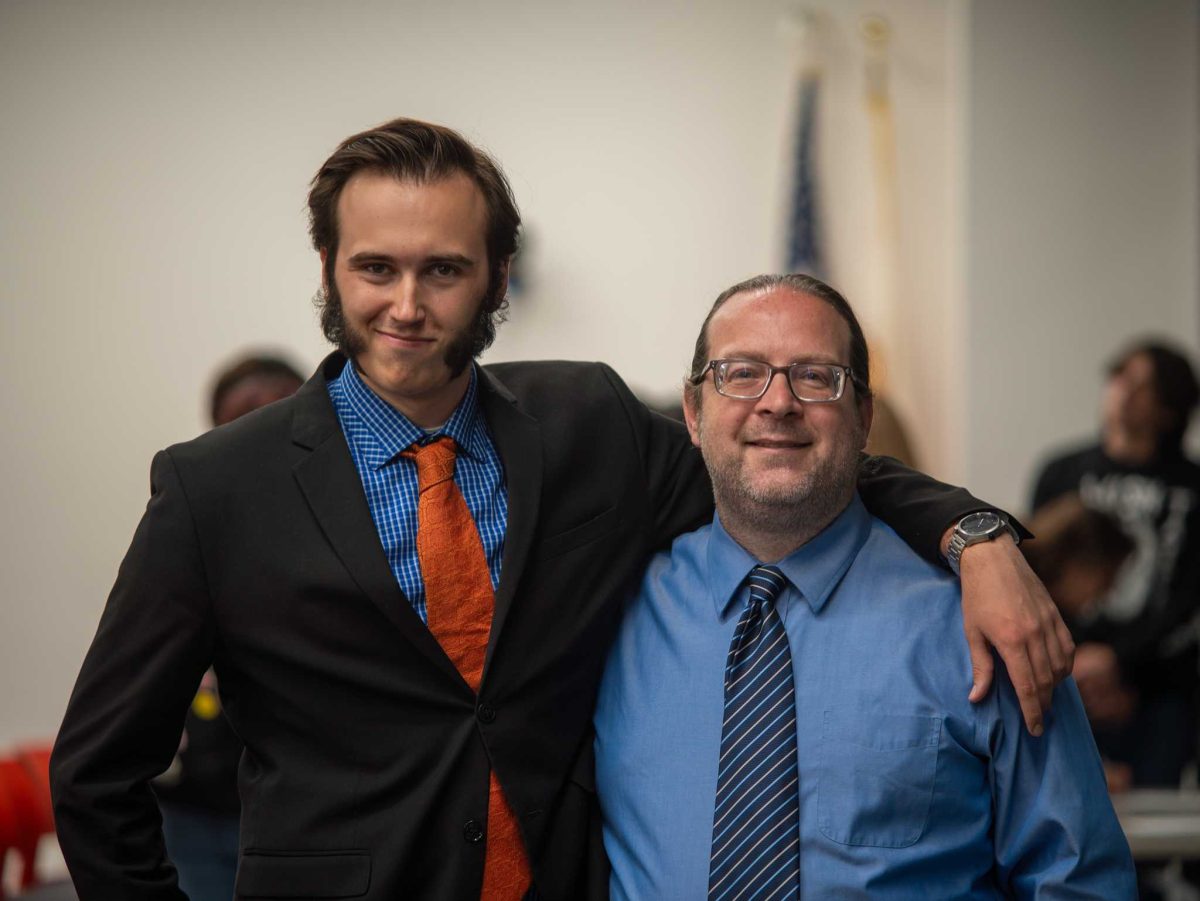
pixel 761 293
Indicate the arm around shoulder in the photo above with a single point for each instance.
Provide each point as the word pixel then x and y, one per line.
pixel 679 491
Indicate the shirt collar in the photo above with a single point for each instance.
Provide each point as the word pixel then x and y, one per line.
pixel 395 432
pixel 815 568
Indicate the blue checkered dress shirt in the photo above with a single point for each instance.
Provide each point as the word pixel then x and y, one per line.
pixel 377 433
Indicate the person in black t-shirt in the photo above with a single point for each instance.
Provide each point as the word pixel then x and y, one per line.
pixel 1138 474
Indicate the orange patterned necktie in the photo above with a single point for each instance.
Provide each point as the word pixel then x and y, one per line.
pixel 459 602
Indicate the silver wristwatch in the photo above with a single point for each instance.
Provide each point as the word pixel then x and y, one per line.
pixel 974 528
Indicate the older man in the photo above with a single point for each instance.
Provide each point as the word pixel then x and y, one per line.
pixel 782 712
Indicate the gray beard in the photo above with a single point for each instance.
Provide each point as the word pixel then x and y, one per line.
pixel 801 509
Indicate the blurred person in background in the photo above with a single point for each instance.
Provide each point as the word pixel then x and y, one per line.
pixel 1140 679
pixel 197 795
pixel 1077 554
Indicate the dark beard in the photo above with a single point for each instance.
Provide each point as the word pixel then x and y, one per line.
pixel 459 353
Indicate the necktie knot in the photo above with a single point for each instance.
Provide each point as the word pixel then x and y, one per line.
pixel 435 461
pixel 766 583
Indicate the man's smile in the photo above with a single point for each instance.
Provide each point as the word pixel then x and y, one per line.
pixel 402 340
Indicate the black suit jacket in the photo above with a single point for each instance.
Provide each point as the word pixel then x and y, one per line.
pixel 367 757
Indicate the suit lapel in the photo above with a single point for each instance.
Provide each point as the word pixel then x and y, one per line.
pixel 334 492
pixel 519 443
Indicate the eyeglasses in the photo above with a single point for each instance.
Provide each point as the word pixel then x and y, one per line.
pixel 812 383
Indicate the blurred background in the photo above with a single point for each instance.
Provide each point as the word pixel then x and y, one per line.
pixel 1005 189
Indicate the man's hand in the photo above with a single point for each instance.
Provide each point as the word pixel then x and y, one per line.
pixel 1005 606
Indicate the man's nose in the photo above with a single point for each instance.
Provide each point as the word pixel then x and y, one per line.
pixel 406 300
pixel 778 399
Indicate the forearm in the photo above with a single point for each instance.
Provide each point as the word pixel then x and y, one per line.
pixel 920 509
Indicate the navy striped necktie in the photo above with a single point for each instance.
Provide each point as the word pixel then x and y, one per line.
pixel 756 824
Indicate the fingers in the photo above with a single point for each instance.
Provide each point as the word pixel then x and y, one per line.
pixel 982 666
pixel 1062 649
pixel 1027 660
pixel 1043 674
pixel 1024 681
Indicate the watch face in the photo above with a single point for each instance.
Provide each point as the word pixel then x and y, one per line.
pixel 979 523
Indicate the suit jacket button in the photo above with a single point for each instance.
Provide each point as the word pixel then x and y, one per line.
pixel 473 832
pixel 486 714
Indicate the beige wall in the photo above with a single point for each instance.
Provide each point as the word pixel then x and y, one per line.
pixel 155 158
pixel 1082 215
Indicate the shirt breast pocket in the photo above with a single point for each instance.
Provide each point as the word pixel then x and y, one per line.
pixel 875 782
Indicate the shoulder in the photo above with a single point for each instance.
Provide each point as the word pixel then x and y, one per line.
pixel 250 455
pixel 1061 472
pixel 1076 458
pixel 671 571
pixel 548 379
pixel 670 581
pixel 887 560
pixel 263 427
pixel 915 607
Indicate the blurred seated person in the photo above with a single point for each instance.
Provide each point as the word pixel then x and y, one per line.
pixel 197 795
pixel 1077 554
pixel 1141 637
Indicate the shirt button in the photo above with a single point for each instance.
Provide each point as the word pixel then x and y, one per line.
pixel 486 714
pixel 473 832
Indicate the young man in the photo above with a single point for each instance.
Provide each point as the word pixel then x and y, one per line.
pixel 782 714
pixel 407 577
pixel 1142 642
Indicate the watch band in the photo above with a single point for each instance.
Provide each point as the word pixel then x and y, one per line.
pixel 963 537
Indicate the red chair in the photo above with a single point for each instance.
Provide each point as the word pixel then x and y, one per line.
pixel 25 810
pixel 35 758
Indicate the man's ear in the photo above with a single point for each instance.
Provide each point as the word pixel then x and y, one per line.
pixel 502 284
pixel 324 271
pixel 691 410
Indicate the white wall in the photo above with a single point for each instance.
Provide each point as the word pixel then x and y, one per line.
pixel 154 166
pixel 155 160
pixel 1082 214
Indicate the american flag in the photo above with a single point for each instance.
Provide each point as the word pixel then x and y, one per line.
pixel 804 244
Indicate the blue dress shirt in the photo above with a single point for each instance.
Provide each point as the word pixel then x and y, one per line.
pixel 907 790
pixel 377 432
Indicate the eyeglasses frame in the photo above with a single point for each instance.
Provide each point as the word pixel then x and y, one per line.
pixel 848 376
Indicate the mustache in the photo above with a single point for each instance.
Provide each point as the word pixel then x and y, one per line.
pixel 791 436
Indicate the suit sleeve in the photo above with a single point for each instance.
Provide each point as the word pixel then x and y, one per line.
pixel 679 491
pixel 917 507
pixel 125 716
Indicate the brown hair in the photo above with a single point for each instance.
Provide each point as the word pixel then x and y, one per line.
pixel 1068 531
pixel 1174 383
pixel 420 152
pixel 246 368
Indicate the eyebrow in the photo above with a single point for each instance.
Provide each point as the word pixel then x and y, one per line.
pixel 372 256
pixel 755 358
